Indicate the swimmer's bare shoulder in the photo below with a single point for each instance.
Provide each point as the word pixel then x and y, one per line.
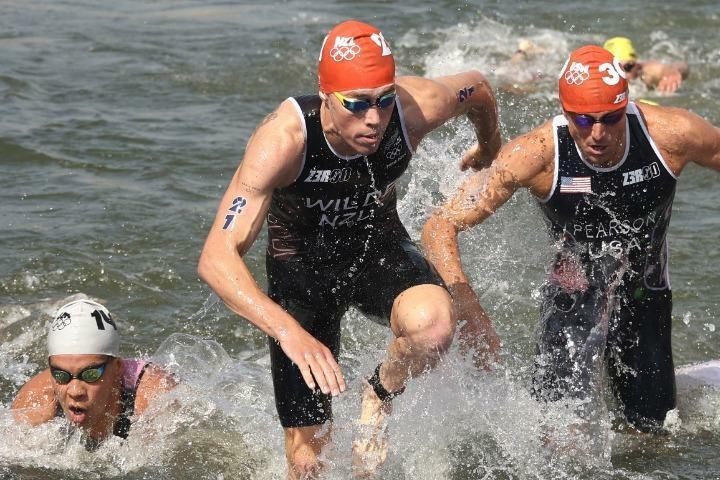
pixel 154 382
pixel 529 158
pixel 682 137
pixel 273 155
pixel 35 402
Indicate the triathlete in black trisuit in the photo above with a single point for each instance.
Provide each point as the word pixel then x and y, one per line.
pixel 335 240
pixel 322 170
pixel 619 222
pixel 604 173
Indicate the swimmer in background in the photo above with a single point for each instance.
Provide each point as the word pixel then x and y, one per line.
pixel 526 50
pixel 522 74
pixel 663 77
pixel 87 381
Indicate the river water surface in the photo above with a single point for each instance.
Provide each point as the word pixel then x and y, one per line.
pixel 121 124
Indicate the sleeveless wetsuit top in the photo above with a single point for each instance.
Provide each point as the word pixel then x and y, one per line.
pixel 623 209
pixel 133 370
pixel 337 205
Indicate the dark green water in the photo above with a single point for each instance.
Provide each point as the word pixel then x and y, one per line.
pixel 120 126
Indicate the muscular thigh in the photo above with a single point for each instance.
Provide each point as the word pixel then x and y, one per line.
pixel 302 290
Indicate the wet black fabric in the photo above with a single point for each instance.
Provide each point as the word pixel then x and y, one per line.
pixel 628 209
pixel 337 204
pixel 638 352
pixel 318 293
pixel 127 399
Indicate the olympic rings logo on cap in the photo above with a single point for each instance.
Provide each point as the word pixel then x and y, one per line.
pixel 577 74
pixel 61 321
pixel 345 48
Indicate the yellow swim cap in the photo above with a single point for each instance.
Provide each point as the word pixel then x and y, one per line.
pixel 622 48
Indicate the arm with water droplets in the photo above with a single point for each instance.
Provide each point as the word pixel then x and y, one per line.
pixel 527 161
pixel 682 137
pixel 272 159
pixel 35 402
pixel 430 103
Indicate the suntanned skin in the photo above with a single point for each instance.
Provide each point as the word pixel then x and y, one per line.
pixel 663 77
pixel 528 162
pixel 422 318
pixel 94 407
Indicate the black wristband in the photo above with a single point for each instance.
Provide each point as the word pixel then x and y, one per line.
pixel 380 391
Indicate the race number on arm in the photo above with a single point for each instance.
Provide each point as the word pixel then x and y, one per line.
pixel 272 159
pixel 429 103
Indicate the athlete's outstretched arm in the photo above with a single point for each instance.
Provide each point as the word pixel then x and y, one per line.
pixel 665 77
pixel 705 147
pixel 272 159
pixel 430 103
pixel 527 161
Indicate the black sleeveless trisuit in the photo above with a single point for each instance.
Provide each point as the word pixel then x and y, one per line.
pixel 609 223
pixel 335 240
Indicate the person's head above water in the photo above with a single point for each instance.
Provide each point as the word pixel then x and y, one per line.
pixel 83 354
pixel 592 81
pixel 594 95
pixel 356 74
pixel 624 51
pixel 622 48
pixel 87 381
pixel 83 327
pixel 355 55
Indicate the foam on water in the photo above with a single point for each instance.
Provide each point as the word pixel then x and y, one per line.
pixel 454 422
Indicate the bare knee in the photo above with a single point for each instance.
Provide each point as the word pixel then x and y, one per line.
pixel 302 447
pixel 424 315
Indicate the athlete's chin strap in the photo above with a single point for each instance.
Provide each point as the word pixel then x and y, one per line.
pixel 380 391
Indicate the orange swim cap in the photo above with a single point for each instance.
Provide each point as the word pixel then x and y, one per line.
pixel 592 80
pixel 354 55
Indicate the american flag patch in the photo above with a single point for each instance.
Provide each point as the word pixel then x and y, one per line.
pixel 575 185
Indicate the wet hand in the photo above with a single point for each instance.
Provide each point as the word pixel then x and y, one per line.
pixel 476 158
pixel 477 334
pixel 670 82
pixel 481 341
pixel 315 361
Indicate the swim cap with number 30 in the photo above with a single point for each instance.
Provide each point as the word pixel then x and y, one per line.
pixel 592 81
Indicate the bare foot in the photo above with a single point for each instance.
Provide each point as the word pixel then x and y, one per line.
pixel 370 448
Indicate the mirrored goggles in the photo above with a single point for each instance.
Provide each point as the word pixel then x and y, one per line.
pixel 628 66
pixel 356 105
pixel 89 375
pixel 586 121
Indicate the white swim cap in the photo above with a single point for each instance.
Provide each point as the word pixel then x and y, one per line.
pixel 83 327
